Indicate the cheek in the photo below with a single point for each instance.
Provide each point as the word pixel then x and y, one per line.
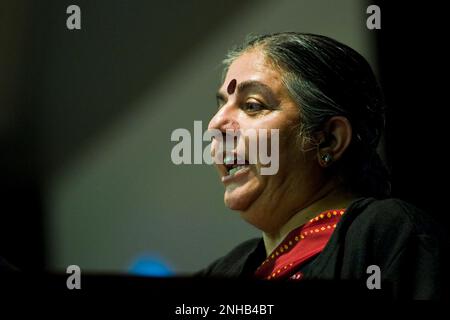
pixel 293 160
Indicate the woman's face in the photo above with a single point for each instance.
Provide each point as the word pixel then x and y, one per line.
pixel 254 97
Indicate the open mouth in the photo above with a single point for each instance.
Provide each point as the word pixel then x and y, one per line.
pixel 234 165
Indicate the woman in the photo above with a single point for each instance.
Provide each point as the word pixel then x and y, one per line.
pixel 326 213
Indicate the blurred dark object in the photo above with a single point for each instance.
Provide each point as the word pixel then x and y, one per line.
pixel 412 57
pixel 21 211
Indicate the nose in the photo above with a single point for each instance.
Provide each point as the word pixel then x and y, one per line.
pixel 225 119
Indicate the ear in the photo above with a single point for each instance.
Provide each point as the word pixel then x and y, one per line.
pixel 336 137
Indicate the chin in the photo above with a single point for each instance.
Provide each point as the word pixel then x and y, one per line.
pixel 236 203
pixel 247 203
pixel 248 208
pixel 240 198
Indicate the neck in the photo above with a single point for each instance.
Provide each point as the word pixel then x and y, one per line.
pixel 330 199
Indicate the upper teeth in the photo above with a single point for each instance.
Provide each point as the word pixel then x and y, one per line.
pixel 234 164
pixel 232 160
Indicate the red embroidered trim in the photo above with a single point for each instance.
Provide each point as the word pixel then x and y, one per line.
pixel 299 246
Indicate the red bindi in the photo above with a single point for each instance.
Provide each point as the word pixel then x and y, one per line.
pixel 231 86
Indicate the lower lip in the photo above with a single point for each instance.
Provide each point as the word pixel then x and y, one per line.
pixel 236 175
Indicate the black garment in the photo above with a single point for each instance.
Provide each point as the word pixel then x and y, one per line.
pixel 394 235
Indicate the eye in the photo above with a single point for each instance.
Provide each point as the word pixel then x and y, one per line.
pixel 253 106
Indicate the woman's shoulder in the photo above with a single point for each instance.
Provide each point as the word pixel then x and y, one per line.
pixel 391 213
pixel 406 243
pixel 389 225
pixel 232 264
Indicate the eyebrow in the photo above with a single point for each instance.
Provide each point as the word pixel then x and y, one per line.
pixel 254 86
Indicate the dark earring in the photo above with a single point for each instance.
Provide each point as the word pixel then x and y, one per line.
pixel 326 158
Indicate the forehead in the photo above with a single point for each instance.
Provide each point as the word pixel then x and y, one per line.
pixel 253 65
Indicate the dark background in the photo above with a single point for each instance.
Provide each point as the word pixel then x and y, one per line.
pixel 412 65
pixel 413 58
